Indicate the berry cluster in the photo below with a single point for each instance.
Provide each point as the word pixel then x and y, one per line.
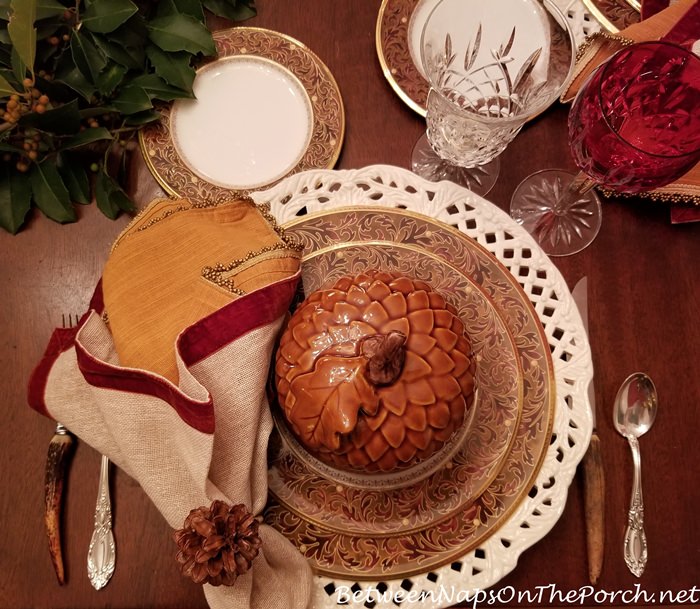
pixel 29 140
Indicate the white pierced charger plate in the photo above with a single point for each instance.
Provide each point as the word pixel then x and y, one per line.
pixel 388 186
pixel 266 107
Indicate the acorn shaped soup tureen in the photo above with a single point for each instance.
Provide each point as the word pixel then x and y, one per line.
pixel 375 374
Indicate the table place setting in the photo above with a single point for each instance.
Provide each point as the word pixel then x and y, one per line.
pixel 327 380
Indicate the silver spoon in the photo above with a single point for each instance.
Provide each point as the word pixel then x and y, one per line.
pixel 635 410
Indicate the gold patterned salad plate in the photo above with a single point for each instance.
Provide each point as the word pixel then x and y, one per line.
pixel 266 108
pixel 353 527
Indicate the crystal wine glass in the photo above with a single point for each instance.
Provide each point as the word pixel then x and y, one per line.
pixel 633 126
pixel 492 66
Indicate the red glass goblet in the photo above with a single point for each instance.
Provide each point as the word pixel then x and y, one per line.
pixel 634 126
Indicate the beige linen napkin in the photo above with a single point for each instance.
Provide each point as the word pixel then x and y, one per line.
pixel 168 380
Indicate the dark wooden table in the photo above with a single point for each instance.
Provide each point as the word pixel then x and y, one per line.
pixel 645 302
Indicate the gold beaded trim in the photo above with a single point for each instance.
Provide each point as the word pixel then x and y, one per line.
pixel 263 208
pixel 216 274
pixel 659 197
pixel 588 42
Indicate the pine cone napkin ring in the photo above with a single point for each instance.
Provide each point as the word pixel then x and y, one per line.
pixel 217 543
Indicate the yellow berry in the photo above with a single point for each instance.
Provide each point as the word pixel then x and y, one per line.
pixel 54 40
pixel 40 108
pixel 27 82
pixel 22 166
pixel 43 99
pixel 33 155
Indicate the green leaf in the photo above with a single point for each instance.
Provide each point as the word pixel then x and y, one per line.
pixel 116 49
pixel 237 11
pixel 87 57
pixel 49 8
pixel 5 147
pixel 5 87
pixel 181 33
pixel 142 118
pixel 18 67
pixel 110 78
pixel 4 9
pixel 15 198
pixel 157 88
pixel 104 187
pixel 94 134
pixel 10 77
pixel 165 8
pixel 190 7
pixel 74 79
pixel 119 198
pixel 75 178
pixel 64 120
pixel 22 32
pixel 95 111
pixel 105 16
pixel 132 99
pixel 173 68
pixel 50 193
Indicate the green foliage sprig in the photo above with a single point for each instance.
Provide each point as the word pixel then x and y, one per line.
pixel 78 78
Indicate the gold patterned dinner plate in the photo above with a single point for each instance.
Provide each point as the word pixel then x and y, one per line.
pixel 267 107
pixel 352 530
pixel 614 15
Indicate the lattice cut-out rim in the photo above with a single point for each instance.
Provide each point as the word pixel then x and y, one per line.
pixel 388 186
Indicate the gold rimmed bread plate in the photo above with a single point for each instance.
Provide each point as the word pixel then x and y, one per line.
pixel 355 531
pixel 267 107
pixel 614 15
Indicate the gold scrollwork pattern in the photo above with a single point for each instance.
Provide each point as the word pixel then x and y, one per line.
pixel 613 15
pixel 392 41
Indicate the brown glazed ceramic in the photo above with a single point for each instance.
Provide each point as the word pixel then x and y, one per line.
pixel 375 373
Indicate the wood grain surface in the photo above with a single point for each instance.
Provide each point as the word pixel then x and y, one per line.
pixel 644 302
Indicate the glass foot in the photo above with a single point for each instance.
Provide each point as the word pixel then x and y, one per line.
pixel 561 219
pixel 427 164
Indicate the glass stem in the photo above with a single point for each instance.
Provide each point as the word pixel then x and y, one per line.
pixel 579 186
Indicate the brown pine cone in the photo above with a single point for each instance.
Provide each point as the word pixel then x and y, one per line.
pixel 375 373
pixel 217 543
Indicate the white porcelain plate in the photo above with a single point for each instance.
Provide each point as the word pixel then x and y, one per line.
pixel 243 140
